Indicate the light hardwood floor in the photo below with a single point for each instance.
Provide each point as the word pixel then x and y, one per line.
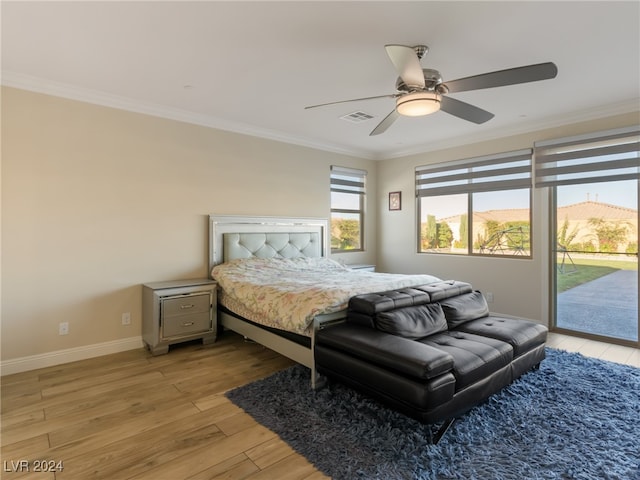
pixel 134 416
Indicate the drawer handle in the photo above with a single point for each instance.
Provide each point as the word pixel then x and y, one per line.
pixel 184 307
pixel 187 324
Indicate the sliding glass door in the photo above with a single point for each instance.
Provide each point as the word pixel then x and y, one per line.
pixel 596 261
pixel 594 181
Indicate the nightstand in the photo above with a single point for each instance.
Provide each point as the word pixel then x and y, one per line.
pixel 177 311
pixel 362 266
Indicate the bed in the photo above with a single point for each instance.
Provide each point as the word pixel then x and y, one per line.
pixel 277 285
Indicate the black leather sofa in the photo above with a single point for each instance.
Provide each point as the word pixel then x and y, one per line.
pixel 432 352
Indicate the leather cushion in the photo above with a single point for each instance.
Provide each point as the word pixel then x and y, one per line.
pixel 413 322
pixel 445 289
pixel 464 308
pixel 474 357
pixel 522 335
pixel 404 392
pixel 372 303
pixel 403 355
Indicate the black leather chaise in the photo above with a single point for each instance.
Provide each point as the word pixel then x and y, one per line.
pixel 431 352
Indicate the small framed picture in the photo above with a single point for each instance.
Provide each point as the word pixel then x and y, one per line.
pixel 395 200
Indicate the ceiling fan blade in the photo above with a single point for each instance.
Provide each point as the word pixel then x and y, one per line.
pixel 393 95
pixel 407 64
pixel 464 110
pixel 500 78
pixel 386 123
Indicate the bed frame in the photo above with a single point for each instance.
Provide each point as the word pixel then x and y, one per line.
pixel 233 237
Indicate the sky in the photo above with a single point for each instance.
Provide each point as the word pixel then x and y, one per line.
pixel 623 194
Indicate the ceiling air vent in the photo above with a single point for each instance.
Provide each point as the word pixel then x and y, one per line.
pixel 357 117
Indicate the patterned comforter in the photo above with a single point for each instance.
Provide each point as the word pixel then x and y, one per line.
pixel 288 293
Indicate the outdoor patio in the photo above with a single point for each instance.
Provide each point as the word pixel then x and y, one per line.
pixel 605 306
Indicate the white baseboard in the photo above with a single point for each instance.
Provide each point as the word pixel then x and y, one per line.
pixel 58 357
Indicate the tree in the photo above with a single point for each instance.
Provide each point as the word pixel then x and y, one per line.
pixel 430 233
pixel 464 236
pixel 564 237
pixel 511 238
pixel 445 235
pixel 518 237
pixel 491 237
pixel 609 234
pixel 345 234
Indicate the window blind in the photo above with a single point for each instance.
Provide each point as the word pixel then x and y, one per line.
pixel 347 180
pixel 603 157
pixel 502 171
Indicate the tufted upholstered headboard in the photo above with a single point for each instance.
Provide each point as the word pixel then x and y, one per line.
pixel 233 237
pixel 270 245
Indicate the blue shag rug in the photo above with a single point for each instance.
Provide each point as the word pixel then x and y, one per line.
pixel 575 418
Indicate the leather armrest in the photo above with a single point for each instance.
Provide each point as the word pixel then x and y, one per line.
pixel 389 351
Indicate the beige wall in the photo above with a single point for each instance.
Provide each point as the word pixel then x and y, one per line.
pixel 97 201
pixel 520 286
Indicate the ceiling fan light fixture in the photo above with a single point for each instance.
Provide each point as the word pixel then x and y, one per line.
pixel 418 104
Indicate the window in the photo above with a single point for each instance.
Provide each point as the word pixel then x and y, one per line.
pixel 347 209
pixel 476 206
pixel 594 183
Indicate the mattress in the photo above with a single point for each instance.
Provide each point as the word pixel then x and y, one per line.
pixel 287 293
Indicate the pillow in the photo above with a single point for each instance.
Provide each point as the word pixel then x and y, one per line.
pixel 465 307
pixel 413 322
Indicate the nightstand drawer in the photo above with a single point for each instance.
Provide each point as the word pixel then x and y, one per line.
pixel 186 324
pixel 186 304
pixel 178 311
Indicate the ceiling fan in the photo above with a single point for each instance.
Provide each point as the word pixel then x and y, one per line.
pixel 421 91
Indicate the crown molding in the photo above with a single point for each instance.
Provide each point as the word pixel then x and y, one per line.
pixel 72 92
pixel 57 89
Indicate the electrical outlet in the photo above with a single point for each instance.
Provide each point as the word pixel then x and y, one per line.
pixel 126 318
pixel 63 328
pixel 489 297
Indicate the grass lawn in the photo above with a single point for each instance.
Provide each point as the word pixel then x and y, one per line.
pixel 587 269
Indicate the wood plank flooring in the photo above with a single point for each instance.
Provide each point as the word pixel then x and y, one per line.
pixel 134 416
